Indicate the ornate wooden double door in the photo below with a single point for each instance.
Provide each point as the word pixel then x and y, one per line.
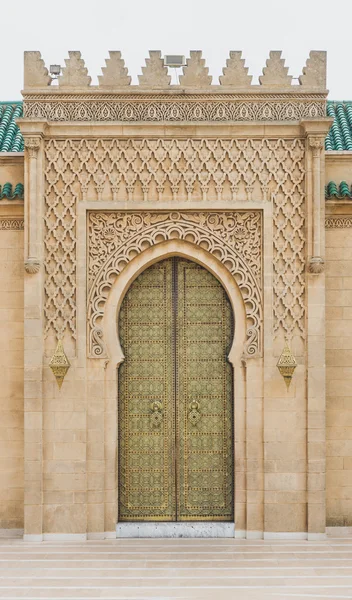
pixel 175 397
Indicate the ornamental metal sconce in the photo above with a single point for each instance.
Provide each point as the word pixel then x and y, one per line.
pixel 287 364
pixel 59 364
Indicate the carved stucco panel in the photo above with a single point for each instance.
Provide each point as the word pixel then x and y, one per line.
pixel 171 170
pixel 198 108
pixel 235 238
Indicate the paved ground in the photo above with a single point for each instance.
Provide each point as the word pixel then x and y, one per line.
pixel 182 569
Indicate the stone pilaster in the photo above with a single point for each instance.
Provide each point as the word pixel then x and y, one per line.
pixel 316 262
pixel 316 387
pixel 33 342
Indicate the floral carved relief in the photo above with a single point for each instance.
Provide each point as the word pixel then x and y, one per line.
pixel 11 224
pixel 338 222
pixel 115 238
pixel 174 170
pixel 173 109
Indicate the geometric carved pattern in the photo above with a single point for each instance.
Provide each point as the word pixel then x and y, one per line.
pixel 235 238
pixel 60 245
pixel 145 170
pixel 11 224
pixel 201 107
pixel 338 222
pixel 289 242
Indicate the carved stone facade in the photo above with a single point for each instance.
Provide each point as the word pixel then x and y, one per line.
pixel 235 238
pixel 9 223
pixel 197 108
pixel 147 170
pixel 338 222
pixel 230 176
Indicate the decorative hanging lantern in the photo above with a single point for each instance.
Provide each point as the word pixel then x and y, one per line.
pixel 59 364
pixel 287 364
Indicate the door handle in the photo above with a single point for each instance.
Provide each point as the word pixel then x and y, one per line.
pixel 194 414
pixel 156 415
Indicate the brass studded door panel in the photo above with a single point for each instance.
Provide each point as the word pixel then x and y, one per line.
pixel 146 399
pixel 175 397
pixel 203 397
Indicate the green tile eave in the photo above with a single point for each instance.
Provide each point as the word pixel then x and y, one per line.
pixel 11 139
pixel 12 193
pixel 341 191
pixel 338 139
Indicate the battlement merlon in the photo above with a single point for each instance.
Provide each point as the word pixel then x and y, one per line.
pixel 195 78
pixel 195 99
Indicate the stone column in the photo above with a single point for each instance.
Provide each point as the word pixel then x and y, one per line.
pixel 32 145
pixel 254 449
pixel 33 346
pixel 316 263
pixel 316 428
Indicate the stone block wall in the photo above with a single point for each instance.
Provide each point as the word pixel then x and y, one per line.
pixel 11 366
pixel 339 365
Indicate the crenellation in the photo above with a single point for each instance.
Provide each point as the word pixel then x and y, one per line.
pixel 74 74
pixel 314 73
pixel 235 74
pixel 155 74
pixel 195 73
pixel 224 182
pixel 35 72
pixel 115 74
pixel 275 74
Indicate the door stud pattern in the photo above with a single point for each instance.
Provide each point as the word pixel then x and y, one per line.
pixel 175 397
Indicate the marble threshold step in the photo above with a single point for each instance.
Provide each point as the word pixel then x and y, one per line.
pixel 204 529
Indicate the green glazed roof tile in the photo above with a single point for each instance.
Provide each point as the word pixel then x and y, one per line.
pixel 339 137
pixel 340 134
pixel 10 137
pixel 341 191
pixel 6 191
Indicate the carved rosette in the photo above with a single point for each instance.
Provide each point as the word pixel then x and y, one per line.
pixel 32 266
pixel 235 238
pixel 316 265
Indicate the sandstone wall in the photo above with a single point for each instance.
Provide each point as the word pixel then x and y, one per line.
pixel 339 364
pixel 11 365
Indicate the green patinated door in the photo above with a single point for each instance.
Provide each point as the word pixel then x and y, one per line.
pixel 175 397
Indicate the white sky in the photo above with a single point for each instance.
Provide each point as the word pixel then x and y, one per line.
pixel 175 27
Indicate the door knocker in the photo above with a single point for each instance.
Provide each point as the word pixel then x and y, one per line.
pixel 194 414
pixel 156 415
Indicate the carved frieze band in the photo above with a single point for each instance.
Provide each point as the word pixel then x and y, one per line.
pixel 173 170
pixel 172 108
pixel 235 238
pixel 338 222
pixel 11 224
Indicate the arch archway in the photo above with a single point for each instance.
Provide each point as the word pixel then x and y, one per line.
pixel 154 254
pixel 116 239
pixel 139 263
pixel 175 411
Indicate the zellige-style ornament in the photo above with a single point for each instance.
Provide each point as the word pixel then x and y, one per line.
pixel 287 364
pixel 59 363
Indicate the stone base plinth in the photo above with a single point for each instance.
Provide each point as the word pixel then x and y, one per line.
pixel 175 530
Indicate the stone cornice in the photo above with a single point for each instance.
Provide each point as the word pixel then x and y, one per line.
pixel 174 106
pixel 174 91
